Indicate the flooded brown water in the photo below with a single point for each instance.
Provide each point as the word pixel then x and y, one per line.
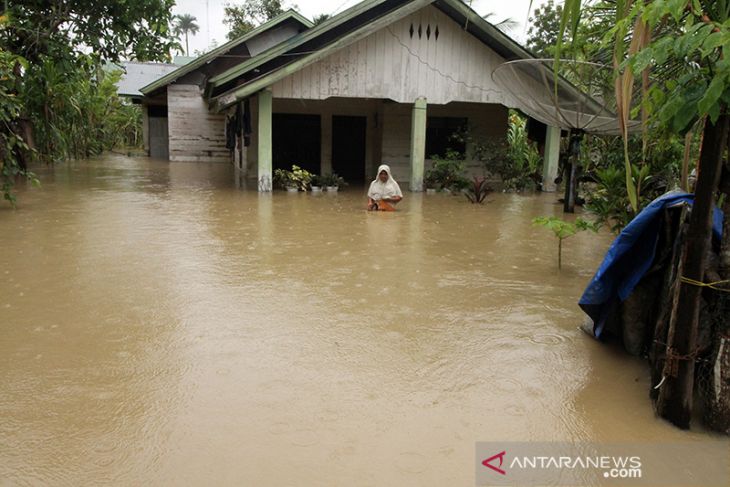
pixel 160 325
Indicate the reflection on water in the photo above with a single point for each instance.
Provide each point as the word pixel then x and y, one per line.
pixel 162 324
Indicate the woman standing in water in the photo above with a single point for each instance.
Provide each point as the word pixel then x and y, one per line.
pixel 384 192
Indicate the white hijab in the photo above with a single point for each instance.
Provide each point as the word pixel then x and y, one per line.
pixel 389 189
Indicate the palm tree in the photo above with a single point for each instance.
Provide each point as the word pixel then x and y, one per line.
pixel 185 24
pixel 505 25
pixel 321 18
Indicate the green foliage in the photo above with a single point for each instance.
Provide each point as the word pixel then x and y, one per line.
pixel 283 178
pixel 333 180
pixel 523 155
pixel 447 172
pixel 699 87
pixel 112 30
pixel 56 98
pixel 316 180
pixel 301 177
pixel 608 201
pixel 562 230
pixel 603 159
pixel 296 178
pixel 683 65
pixel 543 32
pixel 75 110
pixel 243 18
pixel 12 144
pixel 477 192
pixel 515 159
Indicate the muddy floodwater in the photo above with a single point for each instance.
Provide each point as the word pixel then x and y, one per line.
pixel 161 325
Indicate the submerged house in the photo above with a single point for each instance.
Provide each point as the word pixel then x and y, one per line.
pixel 386 80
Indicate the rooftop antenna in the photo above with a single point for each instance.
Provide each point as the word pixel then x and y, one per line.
pixel 583 102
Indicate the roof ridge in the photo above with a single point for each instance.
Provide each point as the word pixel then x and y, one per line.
pixel 215 52
pixel 298 39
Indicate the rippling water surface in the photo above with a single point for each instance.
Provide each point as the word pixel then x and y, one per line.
pixel 159 324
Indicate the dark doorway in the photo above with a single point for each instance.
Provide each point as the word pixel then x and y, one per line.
pixel 158 132
pixel 348 147
pixel 296 139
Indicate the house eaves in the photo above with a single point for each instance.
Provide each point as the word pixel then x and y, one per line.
pixel 308 47
pixel 502 44
pixel 300 51
pixel 222 50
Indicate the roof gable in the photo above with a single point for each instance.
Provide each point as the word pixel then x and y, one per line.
pixel 351 19
pixel 197 63
pixel 364 19
pixel 422 54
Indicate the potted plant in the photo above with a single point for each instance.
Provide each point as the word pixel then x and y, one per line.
pixel 297 179
pixel 301 178
pixel 333 182
pixel 430 183
pixel 285 180
pixel 316 183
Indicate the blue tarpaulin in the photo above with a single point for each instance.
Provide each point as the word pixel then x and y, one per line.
pixel 630 257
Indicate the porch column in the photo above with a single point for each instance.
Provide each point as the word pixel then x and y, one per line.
pixel 146 129
pixel 264 148
pixel 325 165
pixel 418 143
pixel 552 158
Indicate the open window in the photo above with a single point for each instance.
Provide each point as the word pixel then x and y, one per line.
pixel 440 136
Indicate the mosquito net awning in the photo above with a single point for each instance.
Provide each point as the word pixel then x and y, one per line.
pixel 583 98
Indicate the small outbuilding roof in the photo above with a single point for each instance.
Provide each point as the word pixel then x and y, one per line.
pixel 136 75
pixel 289 15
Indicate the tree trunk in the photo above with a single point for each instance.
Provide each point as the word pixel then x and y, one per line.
pixel 676 396
pixel 684 180
pixel 560 253
pixel 725 248
pixel 717 413
pixel 676 228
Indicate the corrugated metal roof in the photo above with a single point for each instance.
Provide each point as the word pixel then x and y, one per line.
pixel 138 75
pixel 220 50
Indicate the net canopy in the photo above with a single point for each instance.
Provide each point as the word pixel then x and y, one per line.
pixel 583 98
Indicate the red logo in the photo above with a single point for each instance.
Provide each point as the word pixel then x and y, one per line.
pixel 487 463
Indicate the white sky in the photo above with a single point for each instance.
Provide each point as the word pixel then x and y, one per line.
pixel 210 15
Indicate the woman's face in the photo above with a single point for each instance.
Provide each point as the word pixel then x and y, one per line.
pixel 383 176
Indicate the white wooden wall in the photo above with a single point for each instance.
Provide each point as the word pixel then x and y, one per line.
pixel 392 64
pixel 195 133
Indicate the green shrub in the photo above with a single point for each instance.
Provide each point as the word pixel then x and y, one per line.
pixel 447 172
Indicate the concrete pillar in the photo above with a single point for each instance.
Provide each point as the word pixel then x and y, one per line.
pixel 418 143
pixel 552 159
pixel 265 141
pixel 326 142
pixel 146 129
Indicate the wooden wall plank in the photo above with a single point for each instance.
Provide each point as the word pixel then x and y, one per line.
pixel 195 134
pixel 380 67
